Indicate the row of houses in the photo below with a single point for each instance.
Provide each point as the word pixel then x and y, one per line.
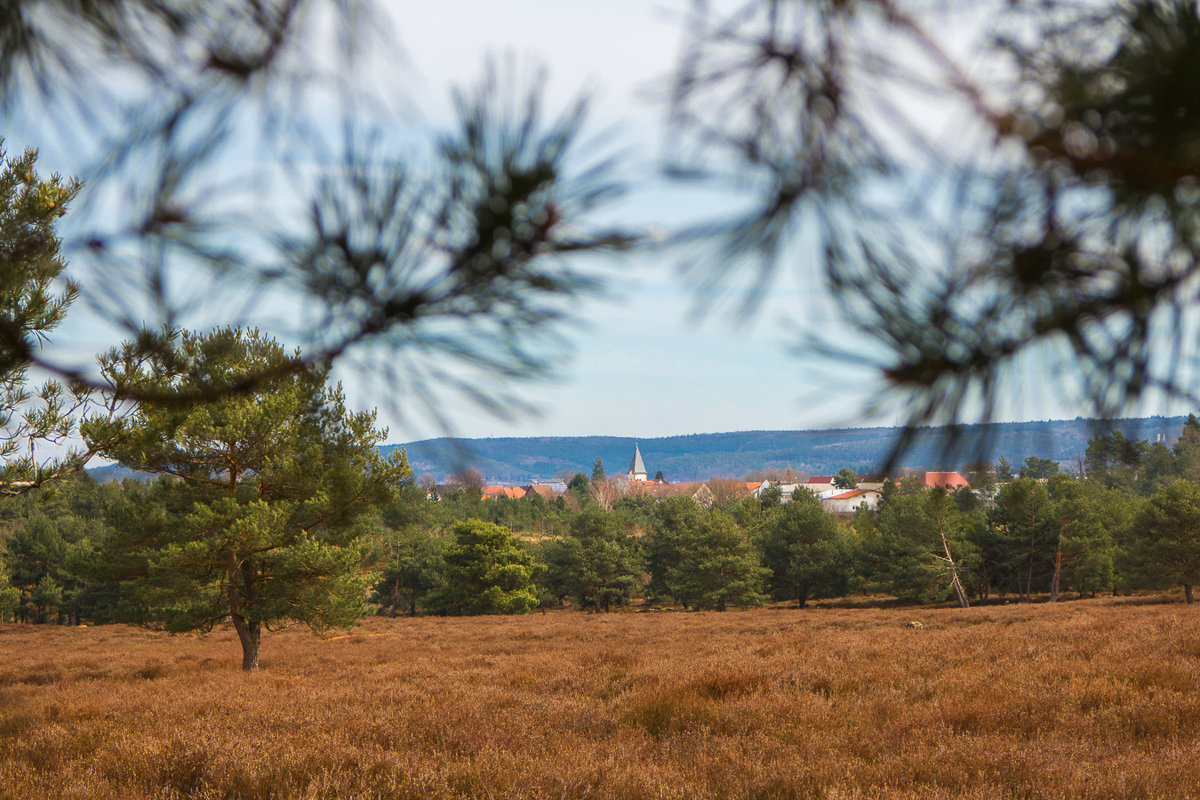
pixel 838 500
pixel 869 490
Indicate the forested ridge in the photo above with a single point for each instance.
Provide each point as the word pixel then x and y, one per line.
pixel 515 460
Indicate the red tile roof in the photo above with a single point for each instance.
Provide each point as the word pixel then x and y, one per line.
pixel 852 494
pixel 949 480
pixel 491 492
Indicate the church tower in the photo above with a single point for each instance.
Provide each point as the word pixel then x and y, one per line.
pixel 637 469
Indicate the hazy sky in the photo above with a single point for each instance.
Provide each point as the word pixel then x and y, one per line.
pixel 642 365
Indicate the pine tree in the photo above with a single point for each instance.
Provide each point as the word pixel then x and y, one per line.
pixel 806 551
pixel 1164 540
pixel 267 494
pixel 487 572
pixel 31 306
pixel 718 568
pixel 607 565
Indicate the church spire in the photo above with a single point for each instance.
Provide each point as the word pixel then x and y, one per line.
pixel 637 468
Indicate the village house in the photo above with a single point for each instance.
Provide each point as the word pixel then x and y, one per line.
pixel 850 501
pixel 837 500
pixel 869 490
pixel 946 480
pixel 492 492
pixel 546 491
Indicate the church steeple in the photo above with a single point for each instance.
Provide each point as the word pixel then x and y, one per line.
pixel 637 468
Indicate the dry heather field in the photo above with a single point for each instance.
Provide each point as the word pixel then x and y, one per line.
pixel 1090 699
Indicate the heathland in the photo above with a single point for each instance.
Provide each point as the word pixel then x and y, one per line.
pixel 1086 699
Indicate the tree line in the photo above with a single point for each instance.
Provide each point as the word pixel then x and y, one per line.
pixel 319 531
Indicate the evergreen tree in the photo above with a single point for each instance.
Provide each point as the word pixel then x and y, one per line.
pixel 41 553
pixel 1029 534
pixel 559 558
pixel 677 521
pixel 807 553
pixel 32 304
pixel 10 596
pixel 608 567
pixel 1038 468
pixel 1187 450
pixel 270 489
pixel 920 549
pixel 1116 462
pixel 487 572
pixel 718 567
pixel 845 479
pixel 414 567
pixel 1164 540
pixel 1083 559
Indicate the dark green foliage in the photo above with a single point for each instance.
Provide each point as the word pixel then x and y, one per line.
pixel 770 497
pixel 717 568
pixel 845 478
pixel 1038 468
pixel 41 553
pixel 1026 526
pixel 1087 517
pixel 10 596
pixel 808 555
pixel 415 565
pixel 65 562
pixel 580 488
pixel 1115 461
pixel 905 555
pixel 1164 539
pixel 677 521
pixel 33 301
pixel 608 565
pixel 271 491
pixel 487 572
pixel 1187 450
pixel 560 558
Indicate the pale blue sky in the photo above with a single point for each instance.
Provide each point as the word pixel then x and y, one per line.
pixel 641 365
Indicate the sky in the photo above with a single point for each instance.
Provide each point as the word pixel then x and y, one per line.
pixel 639 361
pixel 643 364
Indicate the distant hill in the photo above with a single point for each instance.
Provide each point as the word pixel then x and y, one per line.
pixel 819 452
pixel 115 472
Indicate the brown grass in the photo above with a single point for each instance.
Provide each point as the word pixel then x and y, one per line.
pixel 1090 699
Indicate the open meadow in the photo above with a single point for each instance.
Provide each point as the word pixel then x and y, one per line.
pixel 1086 699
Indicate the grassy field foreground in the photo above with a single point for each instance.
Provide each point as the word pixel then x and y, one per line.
pixel 1089 699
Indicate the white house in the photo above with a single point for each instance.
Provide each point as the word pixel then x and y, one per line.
pixel 848 502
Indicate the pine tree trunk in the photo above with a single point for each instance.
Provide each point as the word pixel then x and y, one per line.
pixel 1057 574
pixel 250 635
pixel 1032 549
pixel 1187 593
pixel 243 592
